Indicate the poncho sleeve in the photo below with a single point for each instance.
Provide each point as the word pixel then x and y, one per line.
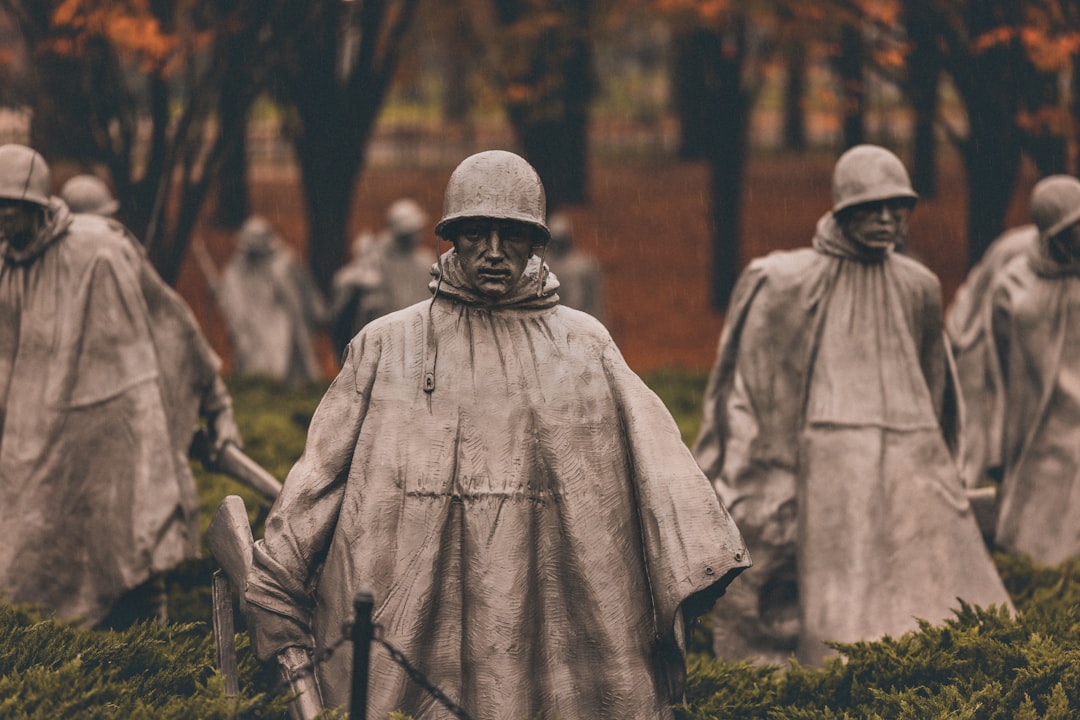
pixel 709 446
pixel 302 521
pixel 692 548
pixel 938 365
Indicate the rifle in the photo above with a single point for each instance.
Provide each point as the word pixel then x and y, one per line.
pixel 235 463
pixel 231 543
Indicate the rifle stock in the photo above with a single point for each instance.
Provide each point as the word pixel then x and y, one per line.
pixel 230 541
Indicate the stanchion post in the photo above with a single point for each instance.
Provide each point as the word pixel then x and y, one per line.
pixel 362 633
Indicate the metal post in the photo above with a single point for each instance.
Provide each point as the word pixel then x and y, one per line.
pixel 362 633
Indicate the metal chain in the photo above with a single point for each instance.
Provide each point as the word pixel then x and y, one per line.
pixel 419 678
pixel 396 655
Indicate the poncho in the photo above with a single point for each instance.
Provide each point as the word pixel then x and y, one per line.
pixel 581 282
pixel 825 433
pixel 91 501
pixel 1036 331
pixel 967 324
pixel 272 308
pixel 382 277
pixel 532 528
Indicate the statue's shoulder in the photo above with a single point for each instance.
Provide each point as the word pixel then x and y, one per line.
pixel 783 264
pixel 581 322
pixel 914 272
pixel 93 238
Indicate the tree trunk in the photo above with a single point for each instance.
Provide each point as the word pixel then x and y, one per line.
pixel 727 160
pixel 59 130
pixel 794 92
pixel 924 74
pixel 990 83
pixel 551 116
pixel 853 87
pixel 233 201
pixel 329 175
pixel 695 52
pixel 1047 147
pixel 992 160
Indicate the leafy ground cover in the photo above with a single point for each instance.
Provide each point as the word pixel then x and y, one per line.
pixel 982 665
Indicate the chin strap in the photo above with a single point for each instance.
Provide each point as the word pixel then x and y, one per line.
pixel 541 274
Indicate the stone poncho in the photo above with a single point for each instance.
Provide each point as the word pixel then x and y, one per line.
pixel 92 498
pixel 1035 311
pixel 826 423
pixel 532 528
pixel 968 326
pixel 272 309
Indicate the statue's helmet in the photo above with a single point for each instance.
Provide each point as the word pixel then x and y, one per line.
pixel 24 175
pixel 89 194
pixel 868 173
pixel 405 217
pixel 1055 204
pixel 498 185
pixel 256 236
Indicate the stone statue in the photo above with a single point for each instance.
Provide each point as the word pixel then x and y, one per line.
pixel 1034 313
pixel 89 194
pixel 386 273
pixel 193 388
pixel 581 281
pixel 522 506
pixel 105 377
pixel 829 430
pixel 967 324
pixel 272 307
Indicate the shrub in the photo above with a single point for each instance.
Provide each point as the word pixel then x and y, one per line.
pixel 982 665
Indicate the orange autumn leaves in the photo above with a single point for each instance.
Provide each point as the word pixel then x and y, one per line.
pixel 130 27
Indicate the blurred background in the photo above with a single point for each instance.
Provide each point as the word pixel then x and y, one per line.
pixel 682 138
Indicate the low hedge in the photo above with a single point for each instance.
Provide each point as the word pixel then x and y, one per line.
pixel 982 665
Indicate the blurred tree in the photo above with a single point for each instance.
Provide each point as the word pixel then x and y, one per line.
pixel 794 50
pixel 924 65
pixel 109 70
pixel 337 59
pixel 850 67
pixel 722 46
pixel 1006 59
pixel 135 85
pixel 545 50
pixel 716 77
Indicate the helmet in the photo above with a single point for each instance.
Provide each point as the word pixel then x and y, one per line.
pixel 866 173
pixel 256 236
pixel 405 217
pixel 1055 204
pixel 24 175
pixel 88 194
pixel 495 184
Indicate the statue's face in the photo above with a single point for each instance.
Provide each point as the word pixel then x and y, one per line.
pixel 493 253
pixel 877 224
pixel 18 222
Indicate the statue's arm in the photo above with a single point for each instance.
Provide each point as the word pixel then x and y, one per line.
pixel 301 524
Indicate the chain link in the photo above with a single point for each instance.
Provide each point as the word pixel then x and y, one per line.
pixel 396 655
